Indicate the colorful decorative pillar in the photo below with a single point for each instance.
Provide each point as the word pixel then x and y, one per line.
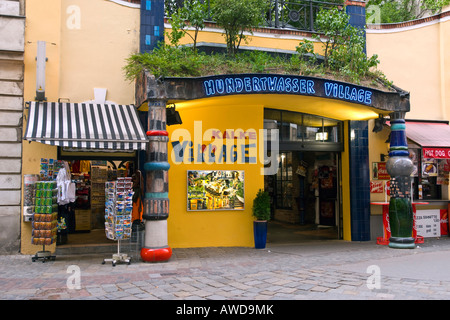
pixel 400 167
pixel 156 199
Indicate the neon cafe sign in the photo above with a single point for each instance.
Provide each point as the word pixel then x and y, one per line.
pixel 253 84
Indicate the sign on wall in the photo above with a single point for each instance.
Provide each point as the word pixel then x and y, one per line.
pixel 436 153
pixel 209 190
pixel 284 84
pixel 428 223
pixel 379 171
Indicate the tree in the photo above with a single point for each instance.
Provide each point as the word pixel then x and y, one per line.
pixel 236 17
pixel 192 14
pixel 343 45
pixel 392 11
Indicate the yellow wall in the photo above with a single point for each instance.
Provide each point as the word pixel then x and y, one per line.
pixel 416 59
pixel 87 42
pixel 227 228
pixel 213 228
pixel 345 187
pixel 93 55
pixel 258 39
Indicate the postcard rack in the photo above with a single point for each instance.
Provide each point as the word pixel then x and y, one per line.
pixel 119 205
pixel 44 222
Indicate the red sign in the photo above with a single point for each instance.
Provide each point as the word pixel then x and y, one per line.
pixel 380 171
pixel 436 153
pixel 376 186
pixel 444 222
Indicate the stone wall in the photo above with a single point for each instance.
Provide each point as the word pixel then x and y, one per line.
pixel 12 26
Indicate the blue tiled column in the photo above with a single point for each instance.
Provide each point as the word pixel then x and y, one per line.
pixel 152 24
pixel 356 9
pixel 359 180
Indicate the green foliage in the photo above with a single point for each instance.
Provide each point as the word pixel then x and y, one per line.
pixel 261 205
pixel 192 14
pixel 344 56
pixel 164 61
pixel 392 11
pixel 344 46
pixel 236 17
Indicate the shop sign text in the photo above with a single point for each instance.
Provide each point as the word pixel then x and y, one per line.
pixel 436 153
pixel 286 85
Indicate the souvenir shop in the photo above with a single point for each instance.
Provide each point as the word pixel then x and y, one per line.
pixel 69 189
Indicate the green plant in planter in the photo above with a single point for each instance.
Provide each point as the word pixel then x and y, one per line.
pixel 261 206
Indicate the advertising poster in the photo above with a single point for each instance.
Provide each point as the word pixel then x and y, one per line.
pixel 428 223
pixel 215 190
pixel 379 171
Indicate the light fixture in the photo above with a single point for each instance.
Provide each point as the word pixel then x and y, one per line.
pixel 321 136
pixel 379 124
pixel 172 116
pixel 41 60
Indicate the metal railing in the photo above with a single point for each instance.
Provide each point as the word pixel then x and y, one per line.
pixel 293 14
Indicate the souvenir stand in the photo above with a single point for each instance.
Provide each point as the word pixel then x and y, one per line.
pixel 119 205
pixel 45 218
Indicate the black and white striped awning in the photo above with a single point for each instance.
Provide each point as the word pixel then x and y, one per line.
pixel 85 126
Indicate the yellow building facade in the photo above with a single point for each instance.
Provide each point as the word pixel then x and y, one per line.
pixel 87 45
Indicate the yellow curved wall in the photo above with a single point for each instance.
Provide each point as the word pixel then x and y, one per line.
pixel 232 228
pixel 416 58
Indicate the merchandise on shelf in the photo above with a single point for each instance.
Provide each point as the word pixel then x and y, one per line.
pixel 118 208
pixel 44 226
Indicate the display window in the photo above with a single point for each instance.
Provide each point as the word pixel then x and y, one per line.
pixel 430 177
pixel 77 201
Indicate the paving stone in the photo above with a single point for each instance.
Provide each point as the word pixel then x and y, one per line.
pixel 290 272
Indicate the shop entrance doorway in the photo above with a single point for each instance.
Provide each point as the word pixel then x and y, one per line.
pixel 84 218
pixel 305 191
pixel 306 197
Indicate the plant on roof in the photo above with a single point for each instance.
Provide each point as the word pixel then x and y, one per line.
pixel 343 56
pixel 193 14
pixel 237 17
pixel 344 45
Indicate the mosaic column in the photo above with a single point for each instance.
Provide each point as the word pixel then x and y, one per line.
pixel 400 167
pixel 152 24
pixel 156 199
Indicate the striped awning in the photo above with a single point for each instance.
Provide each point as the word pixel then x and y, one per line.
pixel 85 126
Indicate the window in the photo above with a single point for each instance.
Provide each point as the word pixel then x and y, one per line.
pixel 284 181
pixel 306 128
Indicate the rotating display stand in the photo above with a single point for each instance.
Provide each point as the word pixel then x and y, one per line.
pixel 43 255
pixel 119 205
pixel 44 224
pixel 118 257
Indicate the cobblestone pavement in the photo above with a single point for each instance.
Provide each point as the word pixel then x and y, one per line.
pixel 322 270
